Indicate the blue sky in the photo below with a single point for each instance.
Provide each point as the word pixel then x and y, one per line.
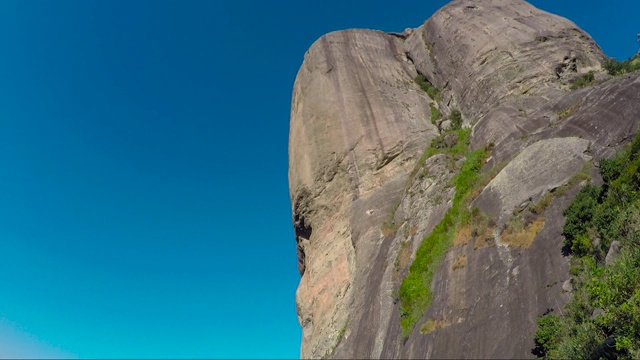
pixel 144 210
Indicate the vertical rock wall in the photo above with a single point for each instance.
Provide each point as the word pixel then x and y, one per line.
pixel 357 121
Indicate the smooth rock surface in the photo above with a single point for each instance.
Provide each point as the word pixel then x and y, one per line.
pixel 542 166
pixel 493 58
pixel 357 117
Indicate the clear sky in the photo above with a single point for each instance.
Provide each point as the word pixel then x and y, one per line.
pixel 144 208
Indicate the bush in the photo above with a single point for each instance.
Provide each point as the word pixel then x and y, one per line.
pixel 610 169
pixel 446 140
pixel 549 328
pixel 581 245
pixel 435 114
pixel 603 220
pixel 456 119
pixel 615 67
pixel 433 93
pixel 427 87
pixel 634 149
pixel 612 212
pixel 585 80
pixel 580 213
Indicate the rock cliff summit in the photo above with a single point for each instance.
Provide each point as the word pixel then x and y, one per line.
pixel 384 131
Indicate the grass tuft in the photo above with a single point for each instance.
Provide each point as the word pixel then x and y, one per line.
pixel 565 113
pixel 432 325
pixel 522 236
pixel 586 80
pixel 461 262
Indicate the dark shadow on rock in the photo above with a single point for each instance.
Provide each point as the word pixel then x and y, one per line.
pixel 538 351
pixel 566 250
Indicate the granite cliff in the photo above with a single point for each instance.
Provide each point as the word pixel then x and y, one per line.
pixel 368 185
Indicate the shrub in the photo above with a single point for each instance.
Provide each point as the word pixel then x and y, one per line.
pixel 585 80
pixel 435 114
pixel 581 245
pixel 615 67
pixel 341 333
pixel 604 220
pixel 612 212
pixel 518 235
pixel 610 169
pixel 446 140
pixel 456 119
pixel 549 328
pixel 433 92
pixel 580 213
pixel 634 149
pixel 427 87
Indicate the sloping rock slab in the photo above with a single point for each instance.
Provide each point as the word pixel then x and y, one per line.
pixel 540 167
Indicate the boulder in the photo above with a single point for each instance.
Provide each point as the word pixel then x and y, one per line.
pixel 613 253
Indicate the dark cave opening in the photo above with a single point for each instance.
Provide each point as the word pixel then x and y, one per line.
pixel 302 232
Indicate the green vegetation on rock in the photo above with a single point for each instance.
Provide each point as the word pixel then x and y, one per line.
pixel 415 294
pixel 615 67
pixel 585 80
pixel 603 318
pixel 425 85
pixel 435 114
pixel 456 119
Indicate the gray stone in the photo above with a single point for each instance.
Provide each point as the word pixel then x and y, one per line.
pixel 445 125
pixel 567 286
pixel 524 205
pixel 597 312
pixel 613 253
pixel 541 167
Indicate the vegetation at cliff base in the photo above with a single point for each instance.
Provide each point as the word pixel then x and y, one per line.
pixel 602 231
pixel 415 294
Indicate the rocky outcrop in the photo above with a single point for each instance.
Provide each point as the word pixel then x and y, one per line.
pixel 357 122
pixel 613 253
pixel 362 204
pixel 539 168
pixel 496 59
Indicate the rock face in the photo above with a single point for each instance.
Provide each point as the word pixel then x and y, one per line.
pixel 540 167
pixel 358 121
pixel 359 124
